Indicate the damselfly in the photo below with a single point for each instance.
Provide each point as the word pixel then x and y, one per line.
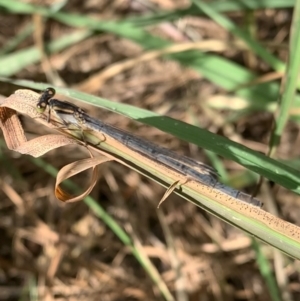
pixel 71 115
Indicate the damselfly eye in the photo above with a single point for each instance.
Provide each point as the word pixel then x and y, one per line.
pixel 50 92
pixel 41 107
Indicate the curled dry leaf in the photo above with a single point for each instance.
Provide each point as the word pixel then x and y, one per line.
pixel 12 129
pixel 24 102
pixel 74 168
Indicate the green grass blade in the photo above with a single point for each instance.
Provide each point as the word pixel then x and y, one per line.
pixel 231 27
pixel 255 161
pixel 15 41
pixel 289 82
pixel 246 217
pixel 263 225
pixel 266 271
pixel 219 6
pixel 14 62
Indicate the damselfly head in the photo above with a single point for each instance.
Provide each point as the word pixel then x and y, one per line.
pixel 43 101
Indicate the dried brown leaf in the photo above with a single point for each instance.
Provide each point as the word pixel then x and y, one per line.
pixel 168 192
pixel 24 102
pixel 12 128
pixel 74 168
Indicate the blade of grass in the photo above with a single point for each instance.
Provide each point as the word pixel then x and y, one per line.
pixel 289 82
pixel 261 224
pixel 15 41
pixel 7 164
pixel 266 271
pixel 225 22
pixel 255 161
pixel 216 161
pixel 14 62
pixel 246 217
pixel 32 289
pixel 220 6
